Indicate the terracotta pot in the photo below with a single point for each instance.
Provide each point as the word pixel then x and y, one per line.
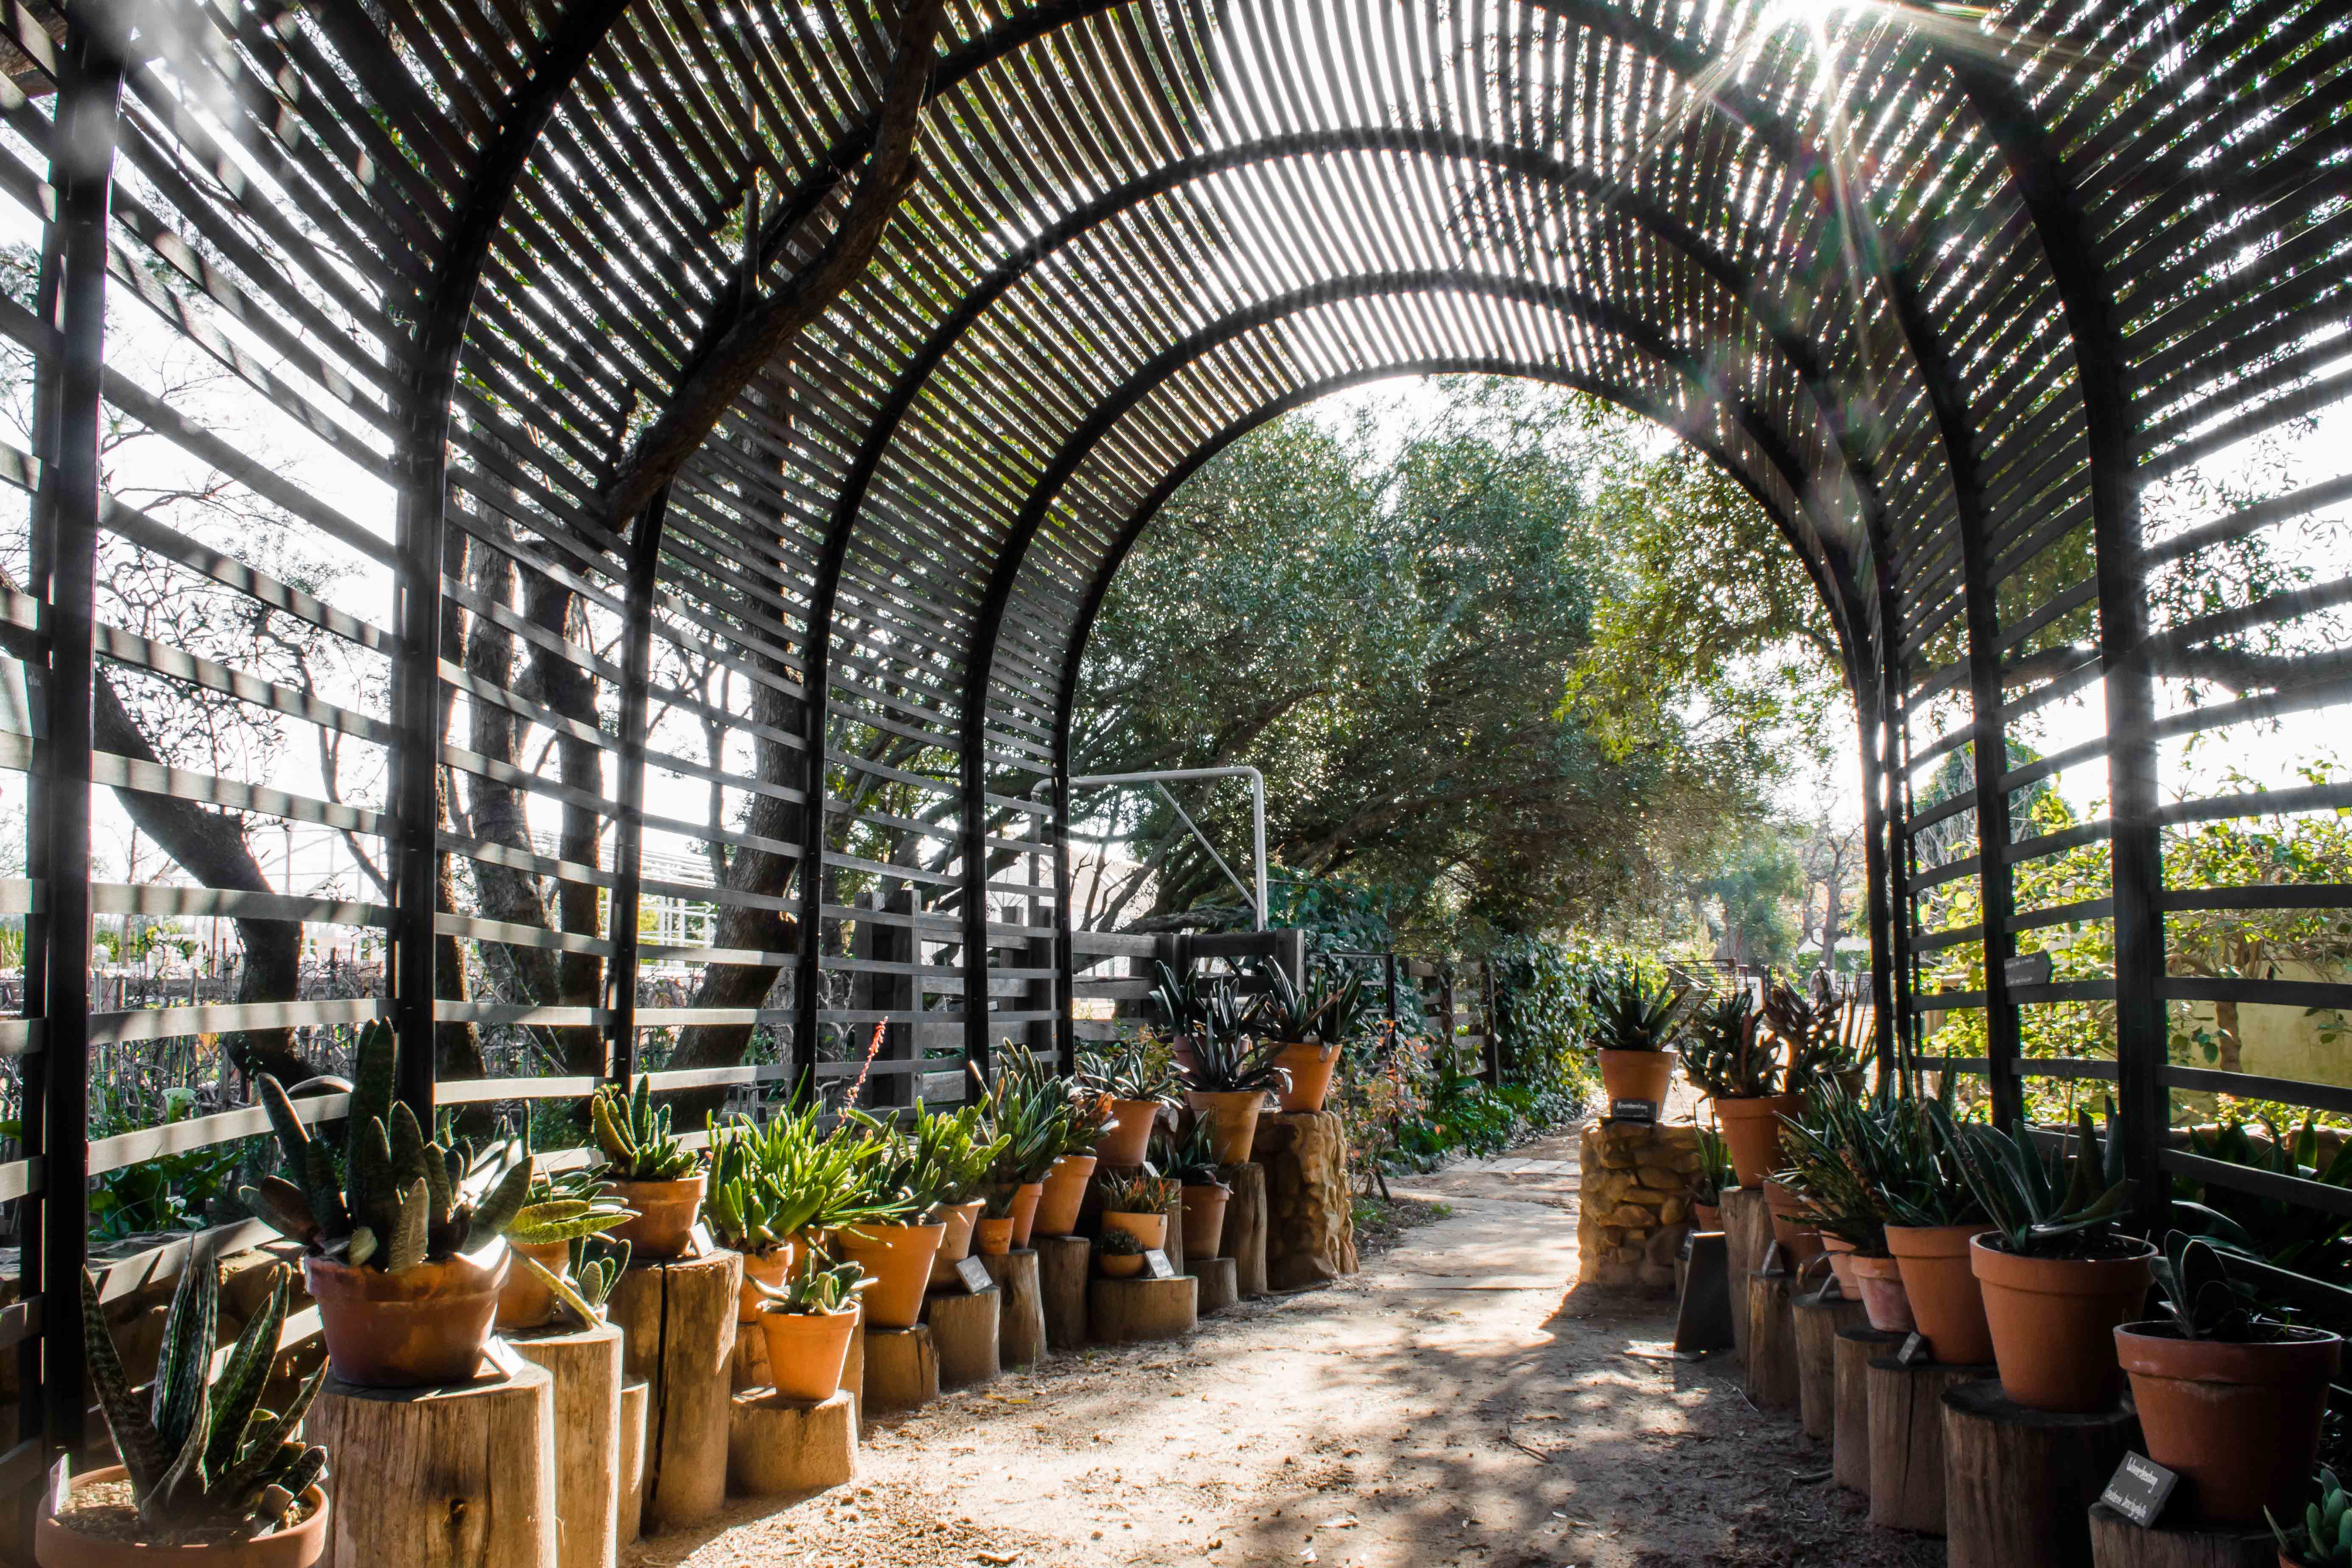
pixel 524 1302
pixel 1151 1229
pixel 1121 1265
pixel 422 1326
pixel 807 1350
pixel 956 1245
pixel 1065 1194
pixel 2239 1423
pixel 1205 1218
pixel 1946 1300
pixel 992 1237
pixel 665 1215
pixel 2053 1322
pixel 898 1259
pixel 1234 1119
pixel 1025 1198
pixel 1706 1216
pixel 54 1546
pixel 1752 1129
pixel 1840 1255
pixel 770 1269
pixel 1126 1136
pixel 1802 1242
pixel 1884 1301
pixel 1310 1067
pixel 1637 1075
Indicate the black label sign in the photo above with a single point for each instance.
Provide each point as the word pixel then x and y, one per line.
pixel 2026 969
pixel 2139 1490
pixel 1913 1350
pixel 1643 1110
pixel 974 1275
pixel 1156 1265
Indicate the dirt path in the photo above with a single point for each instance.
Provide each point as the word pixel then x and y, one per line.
pixel 1455 1404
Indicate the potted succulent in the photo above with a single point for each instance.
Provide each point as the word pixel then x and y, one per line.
pixel 993 1236
pixel 2056 1274
pixel 1227 1083
pixel 562 1210
pixel 1137 1081
pixel 647 1169
pixel 1707 1184
pixel 1139 1204
pixel 1724 1055
pixel 1195 1163
pixel 592 1267
pixel 1084 1113
pixel 212 1478
pixel 807 1323
pixel 404 1262
pixel 2323 1538
pixel 1305 1031
pixel 1120 1253
pixel 898 1239
pixel 1811 1034
pixel 953 1153
pixel 750 1210
pixel 1027 1109
pixel 1933 1216
pixel 1831 1154
pixel 2229 1398
pixel 1632 1026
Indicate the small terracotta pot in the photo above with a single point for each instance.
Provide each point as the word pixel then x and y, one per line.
pixel 1946 1300
pixel 1025 1198
pixel 807 1350
pixel 1637 1075
pixel 1065 1194
pixel 55 1546
pixel 1119 1265
pixel 898 1259
pixel 956 1245
pixel 1752 1129
pixel 1706 1216
pixel 1802 1242
pixel 1204 1217
pixel 1884 1301
pixel 1840 1255
pixel 770 1269
pixel 524 1301
pixel 2053 1322
pixel 422 1326
pixel 2239 1422
pixel 665 1215
pixel 1151 1229
pixel 992 1237
pixel 1310 1067
pixel 1126 1136
pixel 1233 1118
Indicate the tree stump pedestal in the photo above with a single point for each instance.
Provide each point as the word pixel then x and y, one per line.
pixel 1125 1311
pixel 2117 1542
pixel 1310 1234
pixel 2019 1483
pixel 677 1317
pixel 637 1397
pixel 585 1365
pixel 1063 1264
pixel 1771 1357
pixel 778 1446
pixel 1856 1349
pixel 902 1369
pixel 1817 1321
pixel 1245 1239
pixel 1746 1236
pixel 964 1326
pixel 1021 1318
pixel 1219 1281
pixel 1906 1441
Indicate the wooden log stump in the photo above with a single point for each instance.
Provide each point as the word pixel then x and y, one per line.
pixel 1244 1240
pixel 1771 1359
pixel 1063 1264
pixel 1219 1281
pixel 902 1369
pixel 1310 1235
pixel 778 1447
pixel 964 1331
pixel 1818 1322
pixel 635 1398
pixel 585 1365
pixel 1124 1311
pixel 2117 1542
pixel 1745 1219
pixel 678 1318
pixel 1856 1348
pixel 1174 1245
pixel 452 1476
pixel 2019 1483
pixel 748 1367
pixel 1906 1441
pixel 1021 1319
pixel 853 1367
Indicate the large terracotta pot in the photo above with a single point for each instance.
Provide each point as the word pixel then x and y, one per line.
pixel 1637 1075
pixel 1840 1255
pixel 1204 1217
pixel 1233 1120
pixel 524 1301
pixel 956 1245
pixel 1126 1136
pixel 1945 1298
pixel 665 1215
pixel 1119 1265
pixel 1884 1302
pixel 992 1237
pixel 1025 1198
pixel 2239 1422
pixel 898 1259
pixel 54 1546
pixel 1751 1130
pixel 2053 1322
pixel 1802 1242
pixel 422 1326
pixel 807 1350
pixel 771 1269
pixel 1309 1067
pixel 1151 1229
pixel 1065 1194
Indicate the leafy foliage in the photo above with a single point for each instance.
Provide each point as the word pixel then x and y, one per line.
pixel 2201 1301
pixel 1629 1015
pixel 1723 1052
pixel 2058 1204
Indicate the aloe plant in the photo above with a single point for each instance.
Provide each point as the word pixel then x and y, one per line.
pixel 2324 1538
pixel 938 1161
pixel 1027 1107
pixel 1141 1193
pixel 594 1268
pixel 1228 1063
pixel 1722 1052
pixel 1629 1015
pixel 814 1288
pixel 633 1133
pixel 201 1455
pixel 1837 1151
pixel 1131 1073
pixel 2063 1203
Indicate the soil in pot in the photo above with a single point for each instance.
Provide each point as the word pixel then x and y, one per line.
pixel 1309 1067
pixel 955 1246
pixel 665 1215
pixel 1802 1243
pixel 1637 1075
pixel 1151 1229
pixel 420 1327
pixel 1752 1129
pixel 898 1259
pixel 524 1301
pixel 1204 1217
pixel 1128 1134
pixel 771 1269
pixel 1879 1280
pixel 2054 1320
pixel 807 1350
pixel 992 1237
pixel 99 1527
pixel 1065 1194
pixel 2240 1423
pixel 1232 1120
pixel 1025 1198
pixel 1946 1300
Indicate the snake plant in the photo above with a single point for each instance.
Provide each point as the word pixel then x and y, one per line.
pixel 633 1133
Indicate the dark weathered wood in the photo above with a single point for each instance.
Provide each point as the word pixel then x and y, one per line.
pixel 1906 1441
pixel 1771 1374
pixel 902 1369
pixel 2117 1542
pixel 1220 1283
pixel 1854 1351
pixel 1818 1323
pixel 2019 1483
pixel 1021 1318
pixel 964 1332
pixel 1121 1311
pixel 1747 1231
pixel 1064 1263
pixel 1244 1240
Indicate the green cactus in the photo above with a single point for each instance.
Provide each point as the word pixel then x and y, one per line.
pixel 634 1134
pixel 201 1452
pixel 2323 1538
pixel 813 1288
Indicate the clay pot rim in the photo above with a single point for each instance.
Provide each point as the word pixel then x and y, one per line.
pixel 1636 1051
pixel 315 1494
pixel 1957 1238
pixel 864 1229
pixel 778 1310
pixel 1832 1242
pixel 2022 1271
pixel 1207 1187
pixel 1323 1050
pixel 673 1183
pixel 459 1277
pixel 1883 1265
pixel 2221 1361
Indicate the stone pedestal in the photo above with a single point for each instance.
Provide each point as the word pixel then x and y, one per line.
pixel 1635 1204
pixel 1310 1227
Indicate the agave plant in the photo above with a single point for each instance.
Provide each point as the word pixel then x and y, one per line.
pixel 1629 1015
pixel 201 1455
pixel 1835 1151
pixel 1920 1175
pixel 1721 1051
pixel 1229 1063
pixel 1131 1073
pixel 1192 1159
pixel 1181 1002
pixel 2063 1203
pixel 633 1133
pixel 1325 1011
pixel 2323 1537
pixel 938 1161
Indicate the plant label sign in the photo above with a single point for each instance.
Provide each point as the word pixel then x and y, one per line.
pixel 1642 1111
pixel 2027 969
pixel 2139 1490
pixel 1913 1351
pixel 974 1275
pixel 1156 1265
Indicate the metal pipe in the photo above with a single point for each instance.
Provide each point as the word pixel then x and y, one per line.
pixel 1257 810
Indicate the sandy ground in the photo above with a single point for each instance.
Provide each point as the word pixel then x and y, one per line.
pixel 1457 1404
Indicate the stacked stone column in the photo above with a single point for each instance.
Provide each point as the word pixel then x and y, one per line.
pixel 1633 1202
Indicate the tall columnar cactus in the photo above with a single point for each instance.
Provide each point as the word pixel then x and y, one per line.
pixel 201 1452
pixel 634 1134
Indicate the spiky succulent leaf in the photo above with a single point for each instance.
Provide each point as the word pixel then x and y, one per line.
pixel 368 1185
pixel 183 1361
pixel 282 1205
pixel 293 1138
pixel 237 1394
pixel 561 1219
pixel 503 1203
pixel 410 1160
pixel 373 1060
pixel 363 1246
pixel 583 1312
pixel 412 1229
pixel 143 1455
pixel 264 1445
pixel 438 1185
pixel 325 1190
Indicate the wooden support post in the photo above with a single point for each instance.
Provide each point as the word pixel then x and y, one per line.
pixel 1856 1348
pixel 1174 1245
pixel 585 1365
pixel 452 1476
pixel 1123 1311
pixel 2117 1542
pixel 1063 1264
pixel 1771 1364
pixel 1906 1441
pixel 1746 1233
pixel 1246 1227
pixel 964 1330
pixel 782 1447
pixel 1219 1281
pixel 748 1367
pixel 1020 1319
pixel 1818 1322
pixel 678 1318
pixel 902 1369
pixel 2019 1483
pixel 635 1398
